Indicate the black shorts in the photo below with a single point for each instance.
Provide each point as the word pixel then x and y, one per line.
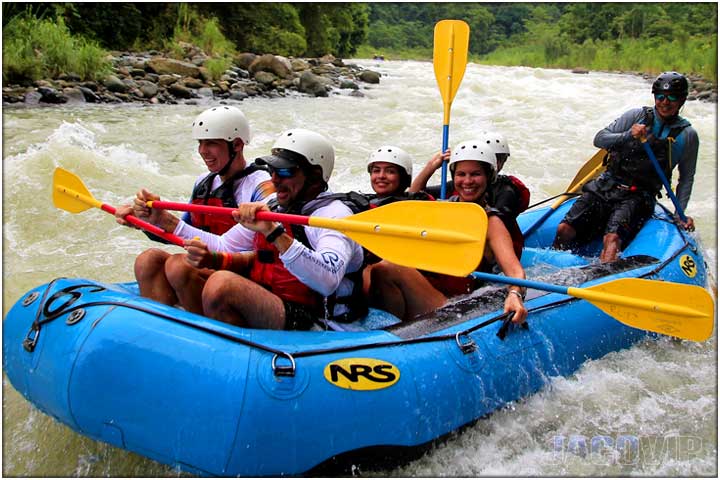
pixel 299 316
pixel 605 207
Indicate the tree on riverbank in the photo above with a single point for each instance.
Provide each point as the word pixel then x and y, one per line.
pixel 607 36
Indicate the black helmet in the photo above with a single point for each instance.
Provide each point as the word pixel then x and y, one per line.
pixel 672 83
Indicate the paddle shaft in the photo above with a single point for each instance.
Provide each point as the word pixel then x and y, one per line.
pixel 341 224
pixel 131 219
pixel 443 167
pixel 213 210
pixel 589 295
pixel 664 179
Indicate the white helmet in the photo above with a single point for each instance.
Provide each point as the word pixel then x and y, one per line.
pixel 396 156
pixel 477 150
pixel 314 147
pixel 226 123
pixel 495 140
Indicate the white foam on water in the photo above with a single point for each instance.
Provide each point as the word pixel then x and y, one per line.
pixel 658 391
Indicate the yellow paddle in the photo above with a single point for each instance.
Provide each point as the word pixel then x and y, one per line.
pixel 674 309
pixel 590 170
pixel 71 195
pixel 450 48
pixel 442 237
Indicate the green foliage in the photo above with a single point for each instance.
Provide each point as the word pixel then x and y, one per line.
pixel 277 41
pixel 33 49
pixel 650 37
pixel 217 66
pixel 689 55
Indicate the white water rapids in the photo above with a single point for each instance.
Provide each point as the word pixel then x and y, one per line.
pixel 661 393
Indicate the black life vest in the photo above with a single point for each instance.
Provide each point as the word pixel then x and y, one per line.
pixel 223 196
pixel 630 164
pixel 376 201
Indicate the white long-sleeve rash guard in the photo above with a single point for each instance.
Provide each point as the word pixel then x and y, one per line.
pixel 321 268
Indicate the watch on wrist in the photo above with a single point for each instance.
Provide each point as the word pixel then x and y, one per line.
pixel 277 231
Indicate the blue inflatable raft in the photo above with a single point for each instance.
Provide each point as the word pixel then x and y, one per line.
pixel 213 399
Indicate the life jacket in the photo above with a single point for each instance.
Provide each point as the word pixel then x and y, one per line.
pixel 269 271
pixel 223 196
pixel 376 201
pixel 630 164
pixel 452 286
pixel 523 193
pixel 508 217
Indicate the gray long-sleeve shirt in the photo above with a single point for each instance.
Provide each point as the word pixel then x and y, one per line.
pixel 684 150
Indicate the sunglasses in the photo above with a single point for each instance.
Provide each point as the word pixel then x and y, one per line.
pixel 283 172
pixel 661 96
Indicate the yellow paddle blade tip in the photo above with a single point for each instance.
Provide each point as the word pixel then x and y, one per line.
pixel 673 309
pixel 70 194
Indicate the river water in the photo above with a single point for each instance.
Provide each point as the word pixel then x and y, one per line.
pixel 660 397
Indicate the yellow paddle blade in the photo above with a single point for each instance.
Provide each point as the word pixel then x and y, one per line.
pixel 450 48
pixel 675 309
pixel 70 193
pixel 588 171
pixel 441 237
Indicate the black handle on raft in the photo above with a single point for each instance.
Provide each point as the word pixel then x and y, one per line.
pixel 503 330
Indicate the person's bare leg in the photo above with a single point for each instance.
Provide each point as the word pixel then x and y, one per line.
pixel 611 248
pixel 150 275
pixel 403 291
pixel 233 299
pixel 564 235
pixel 187 281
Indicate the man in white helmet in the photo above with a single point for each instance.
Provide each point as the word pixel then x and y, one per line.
pixel 287 276
pixel 222 133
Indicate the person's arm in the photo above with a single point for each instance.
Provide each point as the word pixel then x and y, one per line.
pixel 237 239
pixel 333 255
pixel 687 166
pixel 499 241
pixel 420 182
pixel 618 131
pixel 506 201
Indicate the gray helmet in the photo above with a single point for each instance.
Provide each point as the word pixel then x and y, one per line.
pixel 672 83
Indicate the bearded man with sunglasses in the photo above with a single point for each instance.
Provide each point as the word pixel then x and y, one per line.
pixel 282 276
pixel 622 199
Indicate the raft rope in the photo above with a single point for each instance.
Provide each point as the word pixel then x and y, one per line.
pixel 567 194
pixel 33 335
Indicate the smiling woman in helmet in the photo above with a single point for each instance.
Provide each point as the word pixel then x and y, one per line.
pixel 618 203
pixel 407 293
pixel 390 170
pixel 222 133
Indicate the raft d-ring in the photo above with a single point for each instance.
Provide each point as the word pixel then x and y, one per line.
pixel 468 347
pixel 30 299
pixel 75 316
pixel 283 371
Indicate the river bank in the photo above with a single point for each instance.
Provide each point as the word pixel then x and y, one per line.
pixel 153 78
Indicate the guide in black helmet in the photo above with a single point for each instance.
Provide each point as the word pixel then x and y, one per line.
pixel 621 200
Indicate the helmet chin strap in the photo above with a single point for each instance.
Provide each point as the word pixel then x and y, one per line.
pixel 231 159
